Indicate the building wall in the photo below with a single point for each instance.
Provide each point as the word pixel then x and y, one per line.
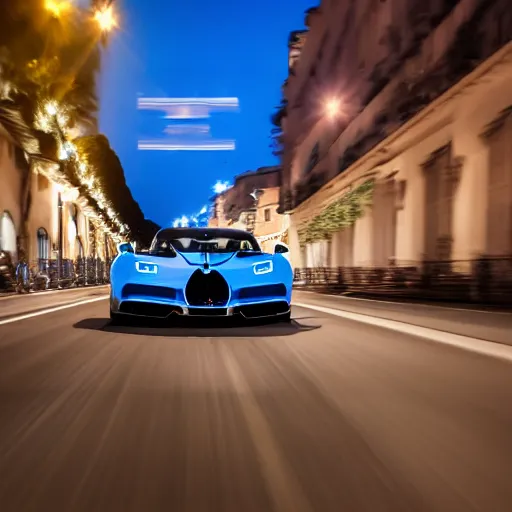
pixel 238 198
pixel 43 214
pixel 442 189
pixel 474 208
pixel 10 196
pixel 268 221
pixel 369 55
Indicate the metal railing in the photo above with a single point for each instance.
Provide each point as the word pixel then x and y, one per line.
pixel 45 274
pixel 484 280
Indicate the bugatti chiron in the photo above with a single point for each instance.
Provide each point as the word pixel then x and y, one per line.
pixel 201 272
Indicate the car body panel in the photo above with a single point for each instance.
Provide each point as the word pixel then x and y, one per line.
pixel 258 284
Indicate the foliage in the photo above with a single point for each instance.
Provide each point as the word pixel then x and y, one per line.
pixel 43 57
pixel 338 215
pixel 277 130
pixel 106 167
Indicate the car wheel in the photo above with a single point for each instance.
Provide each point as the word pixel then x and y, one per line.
pixel 116 318
pixel 286 318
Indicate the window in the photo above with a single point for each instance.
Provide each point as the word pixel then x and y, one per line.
pixel 267 214
pixel 42 244
pixel 197 240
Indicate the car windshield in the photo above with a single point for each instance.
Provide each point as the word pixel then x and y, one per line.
pixel 201 241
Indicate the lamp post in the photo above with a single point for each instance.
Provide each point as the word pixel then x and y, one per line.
pixel 60 238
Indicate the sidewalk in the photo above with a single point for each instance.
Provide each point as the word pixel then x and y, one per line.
pixel 491 325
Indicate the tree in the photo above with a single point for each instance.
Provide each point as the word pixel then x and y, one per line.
pixel 101 159
pixel 43 57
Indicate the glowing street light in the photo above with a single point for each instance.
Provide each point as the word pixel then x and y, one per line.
pixel 57 7
pixel 332 108
pixel 105 18
pixel 51 108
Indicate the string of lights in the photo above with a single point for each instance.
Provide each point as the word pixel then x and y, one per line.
pixel 53 117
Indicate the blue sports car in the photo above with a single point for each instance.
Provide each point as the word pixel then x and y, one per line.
pixel 201 272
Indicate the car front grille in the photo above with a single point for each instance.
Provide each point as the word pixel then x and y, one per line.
pixel 207 289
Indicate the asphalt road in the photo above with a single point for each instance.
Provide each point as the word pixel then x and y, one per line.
pixel 325 414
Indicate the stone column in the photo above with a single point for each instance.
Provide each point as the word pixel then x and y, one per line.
pixel 295 248
pixel 499 191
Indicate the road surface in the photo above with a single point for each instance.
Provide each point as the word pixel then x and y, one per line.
pixel 326 414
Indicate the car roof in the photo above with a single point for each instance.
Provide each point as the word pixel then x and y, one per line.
pixel 206 233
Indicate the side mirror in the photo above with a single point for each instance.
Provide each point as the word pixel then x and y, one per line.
pixel 126 247
pixel 281 249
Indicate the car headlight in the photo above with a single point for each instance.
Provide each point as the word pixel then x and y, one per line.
pixel 145 267
pixel 263 267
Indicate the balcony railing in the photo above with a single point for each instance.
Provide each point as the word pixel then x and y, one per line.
pixel 45 274
pixel 483 281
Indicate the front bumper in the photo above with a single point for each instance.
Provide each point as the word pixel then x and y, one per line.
pixel 159 309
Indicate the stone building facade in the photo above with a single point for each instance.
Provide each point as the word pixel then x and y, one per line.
pixel 46 202
pixel 237 208
pixel 423 112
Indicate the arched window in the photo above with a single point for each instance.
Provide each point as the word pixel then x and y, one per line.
pixel 8 237
pixel 43 244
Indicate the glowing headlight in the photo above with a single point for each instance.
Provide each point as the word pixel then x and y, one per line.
pixel 145 267
pixel 263 268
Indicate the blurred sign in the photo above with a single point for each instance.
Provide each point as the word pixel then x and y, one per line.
pixel 185 126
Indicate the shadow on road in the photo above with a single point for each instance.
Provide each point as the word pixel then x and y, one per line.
pixel 207 329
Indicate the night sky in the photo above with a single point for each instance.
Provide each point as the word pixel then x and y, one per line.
pixel 194 48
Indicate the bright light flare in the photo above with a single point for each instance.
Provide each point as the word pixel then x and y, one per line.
pixel 51 108
pixel 332 108
pixel 57 7
pixel 105 18
pixel 221 186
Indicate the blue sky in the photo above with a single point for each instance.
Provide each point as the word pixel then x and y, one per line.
pixel 194 48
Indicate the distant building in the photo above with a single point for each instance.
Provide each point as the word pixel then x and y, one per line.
pixel 251 204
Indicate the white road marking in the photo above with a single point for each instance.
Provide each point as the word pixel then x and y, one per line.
pixel 50 292
pixel 410 304
pixel 475 345
pixel 51 310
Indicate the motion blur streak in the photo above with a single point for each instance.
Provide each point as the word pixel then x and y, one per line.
pixel 193 108
pixel 191 146
pixel 51 310
pixel 478 346
pixel 213 102
pixel 187 129
pixel 323 414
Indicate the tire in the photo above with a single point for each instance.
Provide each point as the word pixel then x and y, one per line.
pixel 116 318
pixel 286 318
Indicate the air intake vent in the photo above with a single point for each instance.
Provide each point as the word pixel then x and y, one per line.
pixel 256 292
pixel 143 290
pixel 207 289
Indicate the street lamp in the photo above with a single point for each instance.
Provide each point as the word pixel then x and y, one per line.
pixel 57 7
pixel 332 107
pixel 105 18
pixel 60 235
